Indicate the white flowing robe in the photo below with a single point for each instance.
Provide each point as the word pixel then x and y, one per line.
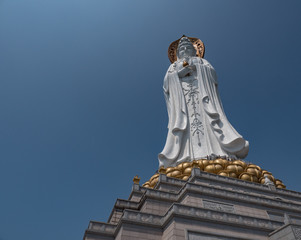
pixel 198 127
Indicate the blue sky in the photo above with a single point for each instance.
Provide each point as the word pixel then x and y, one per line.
pixel 82 107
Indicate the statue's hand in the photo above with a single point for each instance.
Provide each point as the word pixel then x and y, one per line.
pixel 192 68
pixel 185 71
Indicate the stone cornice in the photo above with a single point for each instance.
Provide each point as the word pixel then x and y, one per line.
pixel 183 211
pixel 197 174
pixel 101 228
pixel 126 204
pixel 266 201
pixel 201 214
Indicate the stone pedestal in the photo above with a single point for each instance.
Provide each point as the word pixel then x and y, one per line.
pixel 205 207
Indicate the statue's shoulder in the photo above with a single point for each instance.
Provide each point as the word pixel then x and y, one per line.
pixel 196 60
pixel 206 63
pixel 200 61
pixel 172 67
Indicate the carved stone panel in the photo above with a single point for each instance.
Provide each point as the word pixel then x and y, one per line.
pixel 297 231
pixel 218 206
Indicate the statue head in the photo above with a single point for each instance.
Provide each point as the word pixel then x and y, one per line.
pixel 185 48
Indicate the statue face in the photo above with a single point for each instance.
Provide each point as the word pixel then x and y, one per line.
pixel 185 49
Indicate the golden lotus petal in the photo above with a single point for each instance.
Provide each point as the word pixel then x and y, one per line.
pixel 175 173
pixel 240 162
pixel 201 165
pixel 238 169
pixel 205 162
pixel 213 168
pixel 187 164
pixel 277 181
pixel 248 177
pixel 281 186
pixel 170 169
pixel 185 177
pixel 187 171
pixel 254 166
pixel 221 161
pixel 227 173
pixel 254 171
pixel 270 176
pixel 154 176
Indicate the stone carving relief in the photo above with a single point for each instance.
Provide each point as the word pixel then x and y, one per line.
pixel 218 206
pixel 297 231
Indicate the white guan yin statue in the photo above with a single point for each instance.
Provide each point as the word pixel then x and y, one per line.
pixel 198 127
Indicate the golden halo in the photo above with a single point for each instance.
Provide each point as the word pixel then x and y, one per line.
pixel 197 43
